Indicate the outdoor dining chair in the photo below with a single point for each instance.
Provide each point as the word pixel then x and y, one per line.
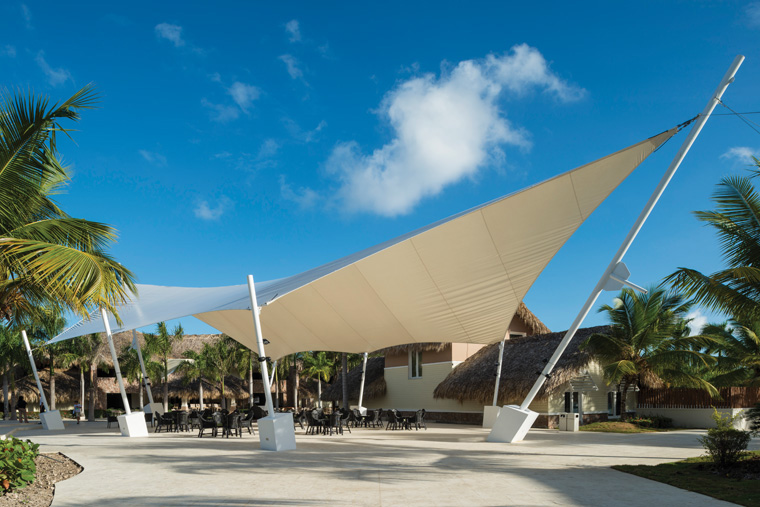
pixel 376 418
pixel 183 421
pixel 419 419
pixel 193 420
pixel 165 421
pixel 232 424
pixel 247 422
pixel 393 420
pixel 345 420
pixel 207 424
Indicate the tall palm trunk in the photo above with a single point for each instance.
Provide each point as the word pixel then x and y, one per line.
pixel 52 389
pixel 91 403
pixel 319 392
pixel 200 391
pixel 81 387
pixel 6 402
pixel 13 405
pixel 166 388
pixel 276 390
pixel 344 374
pixel 224 401
pixel 293 385
pixel 140 386
pixel 623 394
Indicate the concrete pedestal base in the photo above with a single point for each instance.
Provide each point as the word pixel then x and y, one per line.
pixel 490 413
pixel 133 425
pixel 51 420
pixel 512 424
pixel 276 433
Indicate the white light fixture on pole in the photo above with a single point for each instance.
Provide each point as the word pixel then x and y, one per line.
pixel 131 425
pixel 514 422
pixel 276 431
pixel 51 419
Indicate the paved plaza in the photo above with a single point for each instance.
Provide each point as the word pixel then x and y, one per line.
pixel 445 465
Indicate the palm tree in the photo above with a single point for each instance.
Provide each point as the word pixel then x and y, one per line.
pixel 645 346
pixel 83 351
pixel 244 361
pixel 129 363
pixel 197 368
pixel 220 358
pixel 318 364
pixel 738 352
pixel 11 354
pixel 161 344
pixel 47 257
pixel 736 219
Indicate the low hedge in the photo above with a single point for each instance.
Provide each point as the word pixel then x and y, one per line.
pixel 17 466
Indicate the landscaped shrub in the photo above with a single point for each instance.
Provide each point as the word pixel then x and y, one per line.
pixel 724 443
pixel 753 417
pixel 17 467
pixel 654 421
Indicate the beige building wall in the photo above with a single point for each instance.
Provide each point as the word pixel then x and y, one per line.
pixel 594 402
pixel 406 393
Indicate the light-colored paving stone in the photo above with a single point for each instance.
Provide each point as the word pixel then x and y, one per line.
pixel 446 465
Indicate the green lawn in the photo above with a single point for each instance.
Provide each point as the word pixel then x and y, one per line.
pixel 620 427
pixel 741 486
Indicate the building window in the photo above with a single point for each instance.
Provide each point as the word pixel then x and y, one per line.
pixel 572 402
pixel 415 364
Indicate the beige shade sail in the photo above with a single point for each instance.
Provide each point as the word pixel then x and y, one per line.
pixel 458 280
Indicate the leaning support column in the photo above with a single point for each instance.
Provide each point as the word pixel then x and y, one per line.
pixel 491 412
pixel 276 431
pixel 514 422
pixel 152 407
pixel 131 425
pixel 51 419
pixel 362 408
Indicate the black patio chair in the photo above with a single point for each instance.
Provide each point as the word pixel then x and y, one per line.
pixel 345 420
pixel 419 419
pixel 232 424
pixel 193 421
pixel 111 419
pixel 299 418
pixel 316 423
pixel 393 421
pixel 334 424
pixel 357 417
pixel 149 419
pixel 376 418
pixel 247 422
pixel 206 424
pixel 163 421
pixel 182 421
pixel 258 412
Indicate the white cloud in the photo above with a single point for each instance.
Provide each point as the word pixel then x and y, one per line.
pixel 312 134
pixel 698 321
pixel 170 32
pixel 743 154
pixel 243 94
pixel 268 149
pixel 27 14
pixel 752 10
pixel 153 157
pixel 304 197
pixel 220 112
pixel 8 50
pixel 205 211
pixel 55 76
pixel 294 30
pixel 445 129
pixel 292 64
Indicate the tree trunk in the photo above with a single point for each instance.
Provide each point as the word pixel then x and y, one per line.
pixel 276 390
pixel 250 382
pixel 91 404
pixel 200 391
pixel 293 385
pixel 6 401
pixel 224 401
pixel 52 389
pixel 13 405
pixel 319 392
pixel 344 375
pixel 81 388
pixel 623 394
pixel 140 386
pixel 166 394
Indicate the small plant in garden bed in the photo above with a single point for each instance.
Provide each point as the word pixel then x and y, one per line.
pixel 17 467
pixel 725 444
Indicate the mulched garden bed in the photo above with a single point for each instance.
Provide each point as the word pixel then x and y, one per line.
pixel 51 468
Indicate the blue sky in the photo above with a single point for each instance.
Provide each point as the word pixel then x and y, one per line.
pixel 240 137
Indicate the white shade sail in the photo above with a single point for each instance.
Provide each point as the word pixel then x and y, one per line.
pixel 458 280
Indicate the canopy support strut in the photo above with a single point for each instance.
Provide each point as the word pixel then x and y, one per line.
pixel 153 406
pixel 514 422
pixel 51 420
pixel 498 372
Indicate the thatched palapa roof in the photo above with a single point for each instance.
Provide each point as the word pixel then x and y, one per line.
pixel 374 382
pixel 524 359
pixel 530 320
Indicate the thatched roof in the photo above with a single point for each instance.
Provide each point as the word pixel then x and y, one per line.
pixel 66 387
pixel 374 383
pixel 534 325
pixel 524 358
pixel 234 387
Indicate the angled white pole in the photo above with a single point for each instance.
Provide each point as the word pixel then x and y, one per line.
pixel 361 385
pixel 51 419
pixel 522 418
pixel 142 367
pixel 260 344
pixel 34 370
pixel 116 368
pixel 498 372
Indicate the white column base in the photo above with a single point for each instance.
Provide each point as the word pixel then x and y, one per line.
pixel 276 433
pixel 133 425
pixel 512 424
pixel 51 420
pixel 490 413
